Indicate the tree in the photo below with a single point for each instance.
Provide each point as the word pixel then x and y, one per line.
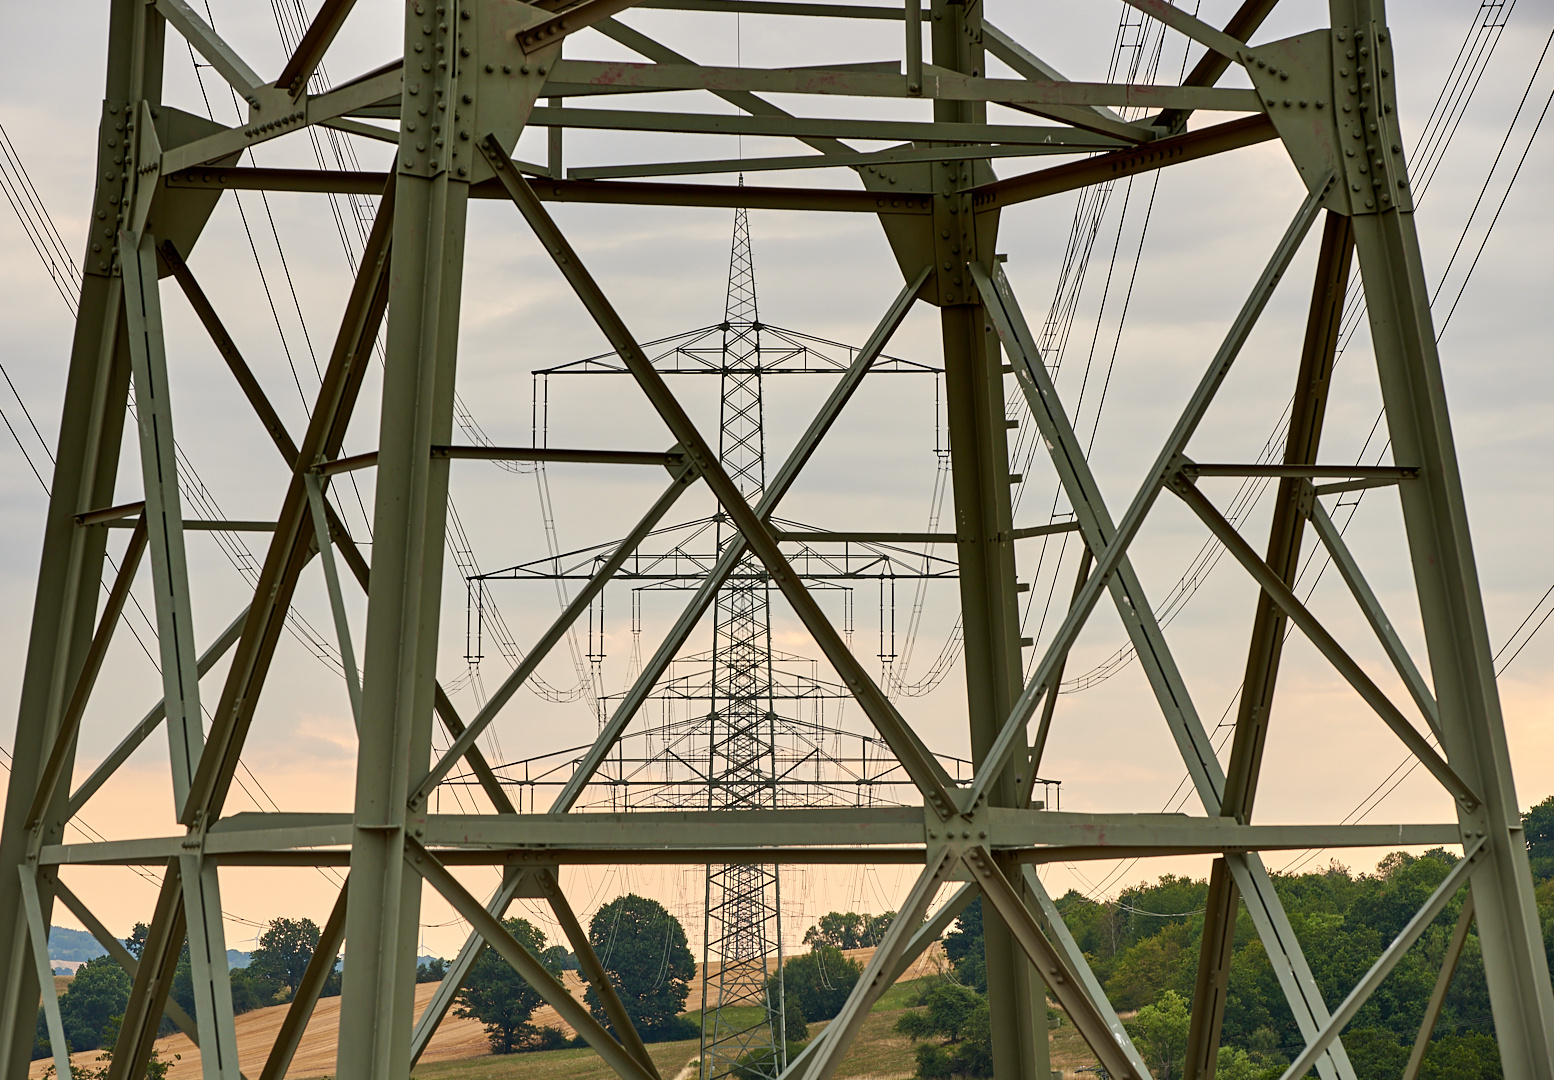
pixel 93 1004
pixel 815 984
pixel 838 929
pixel 1538 827
pixel 283 954
pixel 1160 1033
pixel 964 948
pixel 431 971
pixel 646 958
pixel 501 999
pixel 1237 1064
pixel 1164 961
pixel 848 930
pixel 958 1015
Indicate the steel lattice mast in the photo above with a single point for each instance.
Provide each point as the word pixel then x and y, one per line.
pixel 465 89
pixel 743 925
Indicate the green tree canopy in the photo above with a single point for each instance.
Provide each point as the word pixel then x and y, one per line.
pixel 283 954
pixel 501 999
pixel 848 930
pixel 1160 1033
pixel 93 1003
pixel 964 948
pixel 645 955
pixel 1538 824
pixel 958 1016
pixel 815 984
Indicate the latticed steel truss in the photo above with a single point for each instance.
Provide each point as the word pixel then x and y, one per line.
pixel 468 86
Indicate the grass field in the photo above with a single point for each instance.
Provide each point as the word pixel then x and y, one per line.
pixel 877 1054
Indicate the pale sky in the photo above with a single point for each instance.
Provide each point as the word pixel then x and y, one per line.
pixel 1211 227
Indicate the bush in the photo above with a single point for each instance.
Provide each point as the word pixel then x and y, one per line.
pixel 676 1030
pixel 762 1064
pixel 544 1038
pixel 1160 1033
pixel 958 1015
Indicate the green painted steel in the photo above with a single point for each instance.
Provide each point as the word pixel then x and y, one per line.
pixel 455 108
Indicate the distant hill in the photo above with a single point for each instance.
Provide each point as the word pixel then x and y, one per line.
pixel 76 946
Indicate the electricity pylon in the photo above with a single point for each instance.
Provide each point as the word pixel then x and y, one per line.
pixel 465 90
pixel 743 923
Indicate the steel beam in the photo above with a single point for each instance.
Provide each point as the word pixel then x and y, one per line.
pixel 116 949
pixel 305 994
pixel 843 1029
pixel 1202 143
pixel 175 637
pixel 1432 1012
pixel 70 722
pixel 1110 1045
pixel 556 996
pixel 1203 766
pixel 1435 521
pixel 1391 644
pixel 1384 964
pixel 315 42
pixel 400 650
pixel 1317 634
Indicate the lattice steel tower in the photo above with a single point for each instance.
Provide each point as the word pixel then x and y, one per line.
pixel 743 921
pixel 468 85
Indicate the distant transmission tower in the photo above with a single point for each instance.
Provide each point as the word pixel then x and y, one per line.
pixel 743 913
pixel 747 728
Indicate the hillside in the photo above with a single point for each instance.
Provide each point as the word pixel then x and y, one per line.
pixel 463 1041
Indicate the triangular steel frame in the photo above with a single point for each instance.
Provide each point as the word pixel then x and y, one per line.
pixel 473 73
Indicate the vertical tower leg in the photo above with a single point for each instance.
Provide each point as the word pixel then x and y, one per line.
pixel 85 470
pixel 1473 733
pixel 974 396
pixel 979 458
pixel 400 652
pixel 86 467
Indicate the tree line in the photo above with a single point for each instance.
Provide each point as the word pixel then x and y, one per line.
pixel 1143 947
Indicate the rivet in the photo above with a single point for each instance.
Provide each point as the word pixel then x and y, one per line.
pixel 490 68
